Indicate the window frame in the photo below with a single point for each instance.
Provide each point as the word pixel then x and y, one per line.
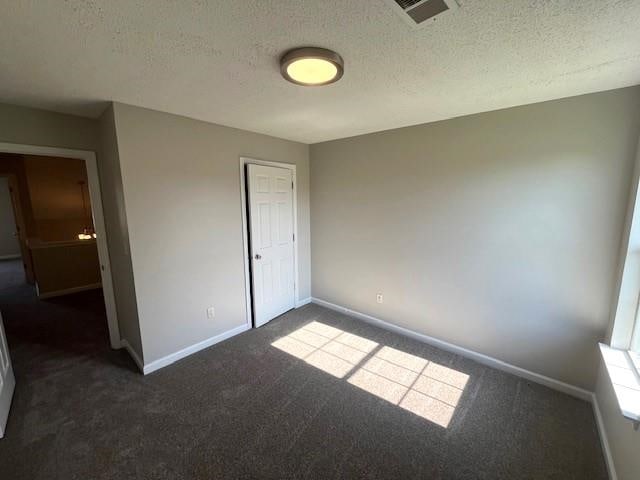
pixel 634 344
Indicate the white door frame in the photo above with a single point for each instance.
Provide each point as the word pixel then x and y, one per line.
pixel 98 221
pixel 245 230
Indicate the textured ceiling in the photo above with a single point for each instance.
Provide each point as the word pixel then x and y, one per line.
pixel 218 60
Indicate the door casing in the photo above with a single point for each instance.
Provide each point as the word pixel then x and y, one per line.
pixel 7 380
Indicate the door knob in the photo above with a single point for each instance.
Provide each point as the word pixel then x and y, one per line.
pixel 258 256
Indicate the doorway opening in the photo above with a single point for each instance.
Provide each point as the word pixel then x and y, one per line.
pixel 269 227
pixel 56 262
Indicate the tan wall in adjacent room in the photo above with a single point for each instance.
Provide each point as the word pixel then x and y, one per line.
pixel 66 266
pixel 57 198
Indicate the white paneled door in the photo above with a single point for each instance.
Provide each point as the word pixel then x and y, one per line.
pixel 7 380
pixel 271 241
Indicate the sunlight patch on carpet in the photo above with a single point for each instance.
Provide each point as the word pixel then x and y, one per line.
pixel 418 385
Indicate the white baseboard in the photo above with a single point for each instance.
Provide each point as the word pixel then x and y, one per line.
pixel 10 257
pixel 185 352
pixel 68 291
pixel 604 439
pixel 127 346
pixel 478 357
pixel 303 302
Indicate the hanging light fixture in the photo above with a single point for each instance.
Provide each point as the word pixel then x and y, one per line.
pixel 311 66
pixel 87 232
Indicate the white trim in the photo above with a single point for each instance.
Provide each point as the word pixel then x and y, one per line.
pixel 304 302
pixel 604 440
pixel 478 357
pixel 127 346
pixel 185 352
pixel 98 221
pixel 10 257
pixel 625 381
pixel 245 237
pixel 620 330
pixel 68 291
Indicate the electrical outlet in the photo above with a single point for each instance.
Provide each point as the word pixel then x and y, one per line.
pixel 211 312
pixel 379 298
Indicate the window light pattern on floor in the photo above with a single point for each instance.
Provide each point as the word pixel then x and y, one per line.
pixel 420 386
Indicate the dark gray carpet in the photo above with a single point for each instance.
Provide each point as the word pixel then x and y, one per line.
pixel 246 409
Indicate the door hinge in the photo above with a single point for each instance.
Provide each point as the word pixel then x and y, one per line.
pixel 294 237
pixel 291 184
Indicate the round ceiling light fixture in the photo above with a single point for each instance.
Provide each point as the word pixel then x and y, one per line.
pixel 311 66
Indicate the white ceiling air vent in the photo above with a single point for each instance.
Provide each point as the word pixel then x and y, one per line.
pixel 417 12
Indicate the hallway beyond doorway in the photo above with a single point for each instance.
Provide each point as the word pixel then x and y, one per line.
pixel 13 284
pixel 40 331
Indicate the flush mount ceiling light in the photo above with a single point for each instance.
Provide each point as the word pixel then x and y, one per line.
pixel 311 66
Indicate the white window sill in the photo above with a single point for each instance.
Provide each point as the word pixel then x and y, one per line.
pixel 623 372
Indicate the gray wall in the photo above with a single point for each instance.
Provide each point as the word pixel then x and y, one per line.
pixel 498 232
pixel 39 127
pixel 117 233
pixel 9 245
pixel 181 181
